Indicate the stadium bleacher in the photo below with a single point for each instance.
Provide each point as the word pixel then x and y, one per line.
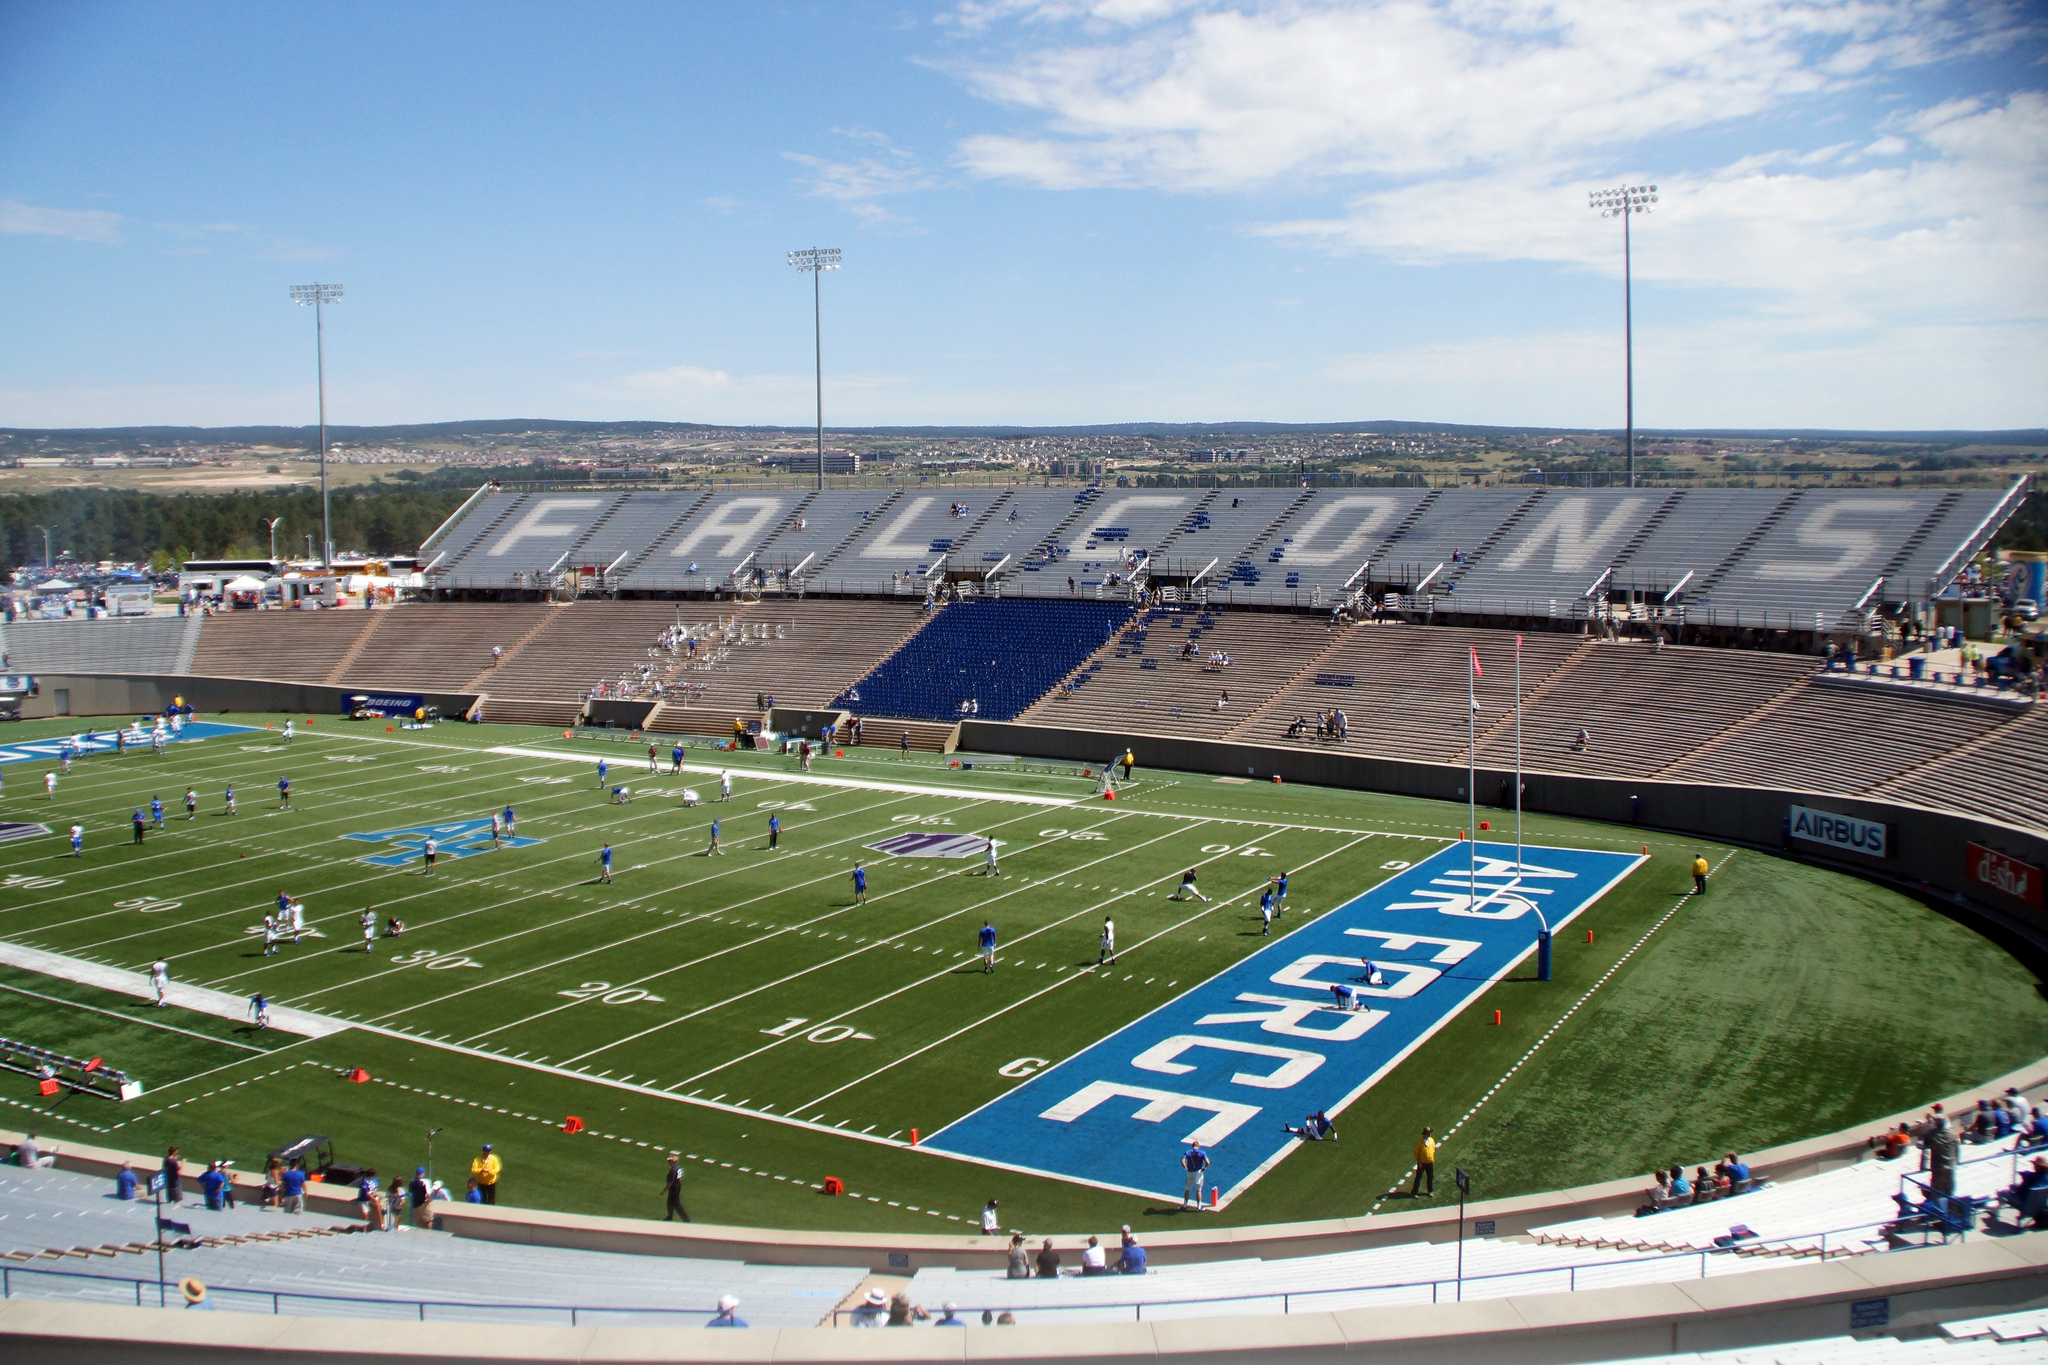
pixel 1000 656
pixel 376 1275
pixel 145 644
pixel 292 646
pixel 1142 683
pixel 1731 557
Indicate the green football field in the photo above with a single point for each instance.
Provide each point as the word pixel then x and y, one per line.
pixel 743 1010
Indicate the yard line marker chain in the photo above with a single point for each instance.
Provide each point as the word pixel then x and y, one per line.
pixel 656 1146
pixel 1508 1075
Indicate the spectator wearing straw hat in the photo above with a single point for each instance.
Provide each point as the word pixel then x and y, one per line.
pixel 728 1314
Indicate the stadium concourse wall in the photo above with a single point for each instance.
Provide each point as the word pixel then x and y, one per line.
pixel 141 694
pixel 1928 851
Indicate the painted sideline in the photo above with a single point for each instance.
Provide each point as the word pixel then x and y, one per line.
pixel 198 999
pixel 809 779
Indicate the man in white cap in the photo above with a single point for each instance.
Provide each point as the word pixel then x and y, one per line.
pixel 947 1318
pixel 728 1313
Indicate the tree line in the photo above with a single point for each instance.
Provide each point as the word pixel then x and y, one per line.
pixel 166 529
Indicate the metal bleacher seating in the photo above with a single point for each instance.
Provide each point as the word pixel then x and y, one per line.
pixel 1841 1213
pixel 908 542
pixel 1142 682
pixel 804 652
pixel 1010 539
pixel 1727 557
pixel 145 644
pixel 436 644
pixel 373 1275
pixel 288 645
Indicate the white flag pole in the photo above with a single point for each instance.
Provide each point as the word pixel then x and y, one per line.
pixel 1518 753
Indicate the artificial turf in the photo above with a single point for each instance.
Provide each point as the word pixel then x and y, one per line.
pixel 1788 1001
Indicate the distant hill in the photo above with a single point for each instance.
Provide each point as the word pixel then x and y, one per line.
pixel 307 436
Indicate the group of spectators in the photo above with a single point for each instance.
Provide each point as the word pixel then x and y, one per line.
pixel 1094 1259
pixel 1730 1176
pixel 1330 724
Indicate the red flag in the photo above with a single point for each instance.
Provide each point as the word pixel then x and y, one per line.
pixel 1477 671
pixel 1518 646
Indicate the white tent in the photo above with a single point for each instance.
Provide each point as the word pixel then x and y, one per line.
pixel 245 583
pixel 55 585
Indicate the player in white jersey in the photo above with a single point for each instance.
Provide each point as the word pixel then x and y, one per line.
pixel 369 923
pixel 1108 949
pixel 50 784
pixel 287 731
pixel 298 920
pixel 156 741
pixel 269 935
pixel 990 868
pixel 160 980
pixel 725 785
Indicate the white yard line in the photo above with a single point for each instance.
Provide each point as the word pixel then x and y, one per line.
pixel 816 780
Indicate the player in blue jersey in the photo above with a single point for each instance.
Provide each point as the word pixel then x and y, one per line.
pixel 988 946
pixel 860 884
pixel 602 768
pixel 156 811
pixel 604 865
pixel 284 793
pixel 774 831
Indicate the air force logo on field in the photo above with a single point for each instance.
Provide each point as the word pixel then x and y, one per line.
pixel 455 839
pixel 1235 1060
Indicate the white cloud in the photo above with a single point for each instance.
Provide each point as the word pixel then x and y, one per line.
pixel 1237 98
pixel 860 184
pixel 80 225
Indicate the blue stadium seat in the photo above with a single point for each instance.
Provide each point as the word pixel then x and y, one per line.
pixel 1001 654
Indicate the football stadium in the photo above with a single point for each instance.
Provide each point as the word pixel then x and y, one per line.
pixel 1521 923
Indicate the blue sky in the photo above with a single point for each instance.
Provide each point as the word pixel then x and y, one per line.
pixel 1053 211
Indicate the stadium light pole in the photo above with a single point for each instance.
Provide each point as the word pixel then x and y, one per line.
pixel 46 547
pixel 316 296
pixel 272 524
pixel 1624 202
pixel 815 261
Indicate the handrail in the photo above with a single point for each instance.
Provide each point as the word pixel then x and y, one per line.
pixel 1570 1272
pixel 455 516
pixel 167 1292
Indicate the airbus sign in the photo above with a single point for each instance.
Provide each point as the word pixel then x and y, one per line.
pixel 1845 832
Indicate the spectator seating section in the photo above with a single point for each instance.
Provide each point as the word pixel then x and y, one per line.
pixel 1402 689
pixel 1003 655
pixel 1753 556
pixel 2003 775
pixel 578 646
pixel 289 646
pixel 804 652
pixel 915 537
pixel 436 644
pixel 1644 709
pixel 140 644
pixel 1139 683
pixel 1837 739
pixel 51 1210
pixel 1014 534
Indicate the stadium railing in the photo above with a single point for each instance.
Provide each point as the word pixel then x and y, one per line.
pixel 149 1291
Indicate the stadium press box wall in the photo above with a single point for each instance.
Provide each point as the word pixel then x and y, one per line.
pixel 1235 1061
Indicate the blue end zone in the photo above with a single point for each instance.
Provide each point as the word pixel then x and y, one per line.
pixel 102 741
pixel 1236 1059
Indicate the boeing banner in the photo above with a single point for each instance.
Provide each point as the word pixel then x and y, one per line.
pixel 1294 1029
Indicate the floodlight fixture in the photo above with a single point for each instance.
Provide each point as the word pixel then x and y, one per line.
pixel 815 261
pixel 1625 202
pixel 316 296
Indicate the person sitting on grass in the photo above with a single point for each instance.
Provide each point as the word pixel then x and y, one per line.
pixel 394 927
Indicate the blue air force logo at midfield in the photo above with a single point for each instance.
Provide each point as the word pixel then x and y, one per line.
pixel 102 741
pixel 1234 1060
pixel 452 839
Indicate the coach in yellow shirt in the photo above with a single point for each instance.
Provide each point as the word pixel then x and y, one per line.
pixel 1425 1166
pixel 484 1170
pixel 1699 874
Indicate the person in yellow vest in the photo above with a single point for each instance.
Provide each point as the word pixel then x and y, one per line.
pixel 1130 761
pixel 1699 874
pixel 485 1169
pixel 1425 1166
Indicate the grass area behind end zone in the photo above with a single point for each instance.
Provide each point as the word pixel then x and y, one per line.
pixel 1788 1002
